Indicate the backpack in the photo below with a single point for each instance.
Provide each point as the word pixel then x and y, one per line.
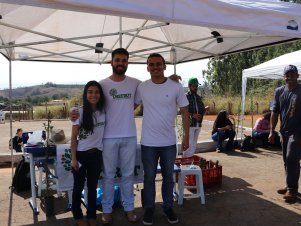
pixel 248 143
pixel 21 179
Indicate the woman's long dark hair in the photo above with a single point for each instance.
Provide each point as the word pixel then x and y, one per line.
pixel 87 108
pixel 222 116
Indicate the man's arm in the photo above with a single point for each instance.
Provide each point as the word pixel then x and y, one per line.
pixel 273 123
pixel 73 114
pixel 185 121
pixel 175 77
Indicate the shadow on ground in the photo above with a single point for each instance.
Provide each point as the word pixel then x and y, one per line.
pixel 235 203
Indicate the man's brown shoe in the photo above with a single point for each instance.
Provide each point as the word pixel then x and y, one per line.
pixel 131 216
pixel 92 222
pixel 290 196
pixel 107 218
pixel 81 222
pixel 282 191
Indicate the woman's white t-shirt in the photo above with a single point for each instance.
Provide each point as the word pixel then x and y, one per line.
pixel 89 140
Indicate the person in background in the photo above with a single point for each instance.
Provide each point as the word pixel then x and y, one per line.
pixel 196 110
pixel 261 130
pixel 86 147
pixel 223 128
pixel 160 97
pixel 287 104
pixel 18 141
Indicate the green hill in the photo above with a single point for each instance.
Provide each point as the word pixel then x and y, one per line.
pixel 49 90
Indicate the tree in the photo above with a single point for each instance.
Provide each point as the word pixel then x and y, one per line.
pixel 224 73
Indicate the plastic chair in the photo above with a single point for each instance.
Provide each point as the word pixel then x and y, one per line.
pixel 190 170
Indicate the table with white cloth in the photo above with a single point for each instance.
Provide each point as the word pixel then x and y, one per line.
pixel 59 156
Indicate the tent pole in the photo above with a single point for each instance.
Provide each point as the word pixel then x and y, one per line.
pixel 120 32
pixel 173 60
pixel 243 98
pixel 10 112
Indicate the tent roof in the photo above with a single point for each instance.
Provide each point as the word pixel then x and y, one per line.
pixel 273 69
pixel 68 30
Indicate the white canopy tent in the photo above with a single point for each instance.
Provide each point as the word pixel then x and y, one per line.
pixel 272 69
pixel 181 30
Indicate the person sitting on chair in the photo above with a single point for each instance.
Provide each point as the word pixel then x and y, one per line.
pixel 18 141
pixel 223 128
pixel 261 130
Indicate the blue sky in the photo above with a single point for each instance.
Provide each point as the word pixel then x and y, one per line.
pixel 36 73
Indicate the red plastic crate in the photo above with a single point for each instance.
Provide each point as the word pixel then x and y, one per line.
pixel 212 175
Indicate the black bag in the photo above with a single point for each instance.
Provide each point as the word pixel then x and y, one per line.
pixel 21 179
pixel 248 143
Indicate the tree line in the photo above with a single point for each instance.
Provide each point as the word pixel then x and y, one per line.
pixel 224 73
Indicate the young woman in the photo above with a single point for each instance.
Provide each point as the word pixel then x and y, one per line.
pixel 223 128
pixel 261 130
pixel 86 146
pixel 18 141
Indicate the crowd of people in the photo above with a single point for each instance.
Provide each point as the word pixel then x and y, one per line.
pixel 104 136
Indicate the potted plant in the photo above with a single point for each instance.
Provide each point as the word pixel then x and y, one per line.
pixel 48 197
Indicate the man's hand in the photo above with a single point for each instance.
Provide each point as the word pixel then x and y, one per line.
pixel 185 144
pixel 175 78
pixel 271 137
pixel 73 114
pixel 197 116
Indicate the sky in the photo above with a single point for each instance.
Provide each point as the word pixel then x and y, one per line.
pixel 37 73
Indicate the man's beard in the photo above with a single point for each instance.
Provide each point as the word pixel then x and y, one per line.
pixel 119 70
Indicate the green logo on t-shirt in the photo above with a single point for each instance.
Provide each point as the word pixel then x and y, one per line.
pixel 115 95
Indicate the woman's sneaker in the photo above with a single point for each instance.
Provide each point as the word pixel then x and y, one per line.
pixel 171 216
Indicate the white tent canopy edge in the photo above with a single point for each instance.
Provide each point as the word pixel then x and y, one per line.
pixel 243 15
pixel 272 69
pixel 186 27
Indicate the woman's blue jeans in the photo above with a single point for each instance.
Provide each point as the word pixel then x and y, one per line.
pixel 220 136
pixel 150 157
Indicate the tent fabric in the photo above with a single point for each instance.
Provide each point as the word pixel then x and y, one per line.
pixel 272 69
pixel 181 30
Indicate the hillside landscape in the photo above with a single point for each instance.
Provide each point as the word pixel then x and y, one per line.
pixel 40 93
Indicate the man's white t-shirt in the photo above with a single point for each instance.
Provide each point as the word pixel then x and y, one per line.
pixel 120 97
pixel 160 104
pixel 89 140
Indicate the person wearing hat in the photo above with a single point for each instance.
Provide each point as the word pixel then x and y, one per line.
pixel 287 104
pixel 196 110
